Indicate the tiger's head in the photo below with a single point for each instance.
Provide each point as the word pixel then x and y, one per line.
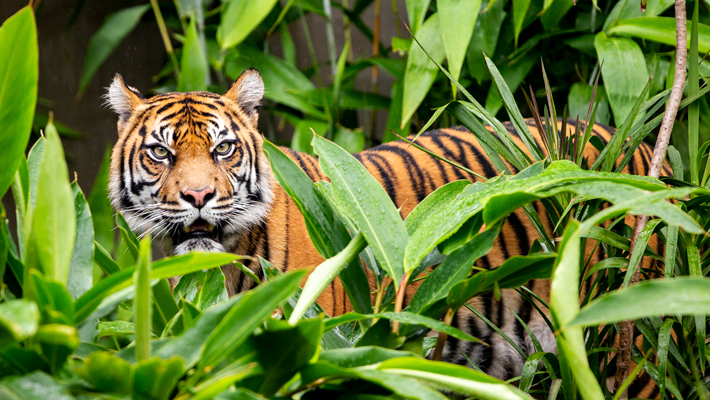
pixel 188 168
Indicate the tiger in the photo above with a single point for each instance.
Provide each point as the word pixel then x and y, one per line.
pixel 189 169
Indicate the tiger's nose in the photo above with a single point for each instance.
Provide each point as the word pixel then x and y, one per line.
pixel 198 198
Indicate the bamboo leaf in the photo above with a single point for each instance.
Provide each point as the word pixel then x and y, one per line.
pixel 239 18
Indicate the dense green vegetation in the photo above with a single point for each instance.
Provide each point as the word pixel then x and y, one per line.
pixel 84 314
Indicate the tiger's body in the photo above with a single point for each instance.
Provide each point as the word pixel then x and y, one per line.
pixel 188 168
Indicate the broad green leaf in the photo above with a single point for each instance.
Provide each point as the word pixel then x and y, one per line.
pixel 279 76
pixel 485 39
pixel 203 289
pixel 18 89
pixel 520 9
pixel 564 305
pixel 116 327
pixel 155 379
pixel 628 9
pixel 578 102
pixel 433 201
pixel 239 18
pixel 659 29
pixel 328 235
pixel 165 307
pixel 190 344
pixel 367 204
pixel 457 18
pixel 404 317
pixel 361 356
pixel 514 272
pixel 142 306
pixel 127 235
pixel 51 238
pixel 107 372
pixel 639 247
pixel 683 295
pixel 624 72
pixel 58 342
pixel 80 277
pixel 104 260
pixel 194 70
pixel 282 350
pixel 420 72
pixel 455 268
pixel 453 377
pixel 35 386
pixel 324 274
pixel 221 382
pixel 353 141
pixel 101 210
pixel 416 11
pixel 53 300
pixel 114 29
pixel 255 306
pixel 19 320
pixel 302 135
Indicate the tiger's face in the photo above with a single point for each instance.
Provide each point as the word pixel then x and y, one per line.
pixel 187 167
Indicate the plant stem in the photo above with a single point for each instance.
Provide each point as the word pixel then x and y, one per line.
pixel 441 340
pixel 164 35
pixel 400 299
pixel 330 36
pixel 659 154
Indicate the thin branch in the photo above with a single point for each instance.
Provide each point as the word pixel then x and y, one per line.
pixel 659 154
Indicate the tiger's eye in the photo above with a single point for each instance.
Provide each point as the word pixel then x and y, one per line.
pixel 159 151
pixel 223 148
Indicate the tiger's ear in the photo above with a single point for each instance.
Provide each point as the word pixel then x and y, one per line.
pixel 247 92
pixel 122 98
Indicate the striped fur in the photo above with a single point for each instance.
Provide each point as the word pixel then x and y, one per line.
pixel 252 215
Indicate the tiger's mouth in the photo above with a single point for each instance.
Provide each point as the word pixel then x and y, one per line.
pixel 200 229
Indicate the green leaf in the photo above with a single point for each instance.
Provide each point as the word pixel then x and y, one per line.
pixel 578 102
pixel 628 9
pixel 416 11
pixel 278 75
pixel 639 248
pixel 51 238
pixel 107 372
pixel 203 289
pixel 282 350
pixel 165 307
pixel 328 235
pixel 436 199
pixel 659 29
pixel 116 327
pixel 624 72
pixel 239 18
pixel 564 305
pixel 129 238
pixel 190 344
pixel 420 72
pixel 520 9
pixel 353 141
pixel 114 29
pixel 514 272
pixel 18 89
pixel 80 268
pixel 453 377
pixel 455 268
pixel 361 356
pixel 142 305
pixel 52 297
pixel 513 76
pixel 324 274
pixel 302 135
pixel 19 320
pixel 457 18
pixel 221 382
pixel 194 70
pixel 246 315
pixel 404 317
pixel 367 204
pixel 101 210
pixel 683 295
pixel 554 11
pixel 155 379
pixel 35 386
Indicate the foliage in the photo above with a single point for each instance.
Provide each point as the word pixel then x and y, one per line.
pixel 68 333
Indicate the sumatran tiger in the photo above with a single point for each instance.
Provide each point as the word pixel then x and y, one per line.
pixel 189 169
